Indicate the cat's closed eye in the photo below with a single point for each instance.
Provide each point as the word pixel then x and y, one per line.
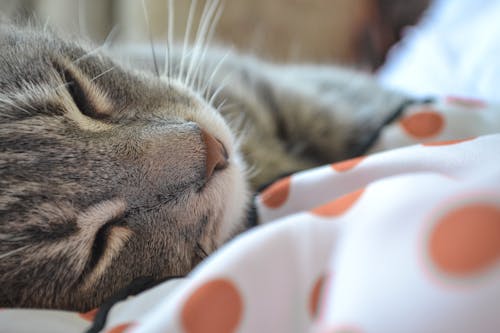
pixel 84 93
pixel 104 225
pixel 102 239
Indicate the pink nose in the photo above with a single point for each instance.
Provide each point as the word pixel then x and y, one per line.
pixel 216 154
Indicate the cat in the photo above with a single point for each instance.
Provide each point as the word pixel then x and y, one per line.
pixel 111 171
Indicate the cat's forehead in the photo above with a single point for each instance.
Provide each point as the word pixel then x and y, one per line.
pixel 32 59
pixel 31 47
pixel 41 65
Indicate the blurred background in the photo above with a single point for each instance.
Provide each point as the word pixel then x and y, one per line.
pixel 351 32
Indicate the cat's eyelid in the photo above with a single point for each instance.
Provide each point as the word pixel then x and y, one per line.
pixel 101 225
pixel 88 99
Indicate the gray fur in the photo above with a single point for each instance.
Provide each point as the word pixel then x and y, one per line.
pixel 91 201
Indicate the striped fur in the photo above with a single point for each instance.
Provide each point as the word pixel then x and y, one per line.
pixel 102 165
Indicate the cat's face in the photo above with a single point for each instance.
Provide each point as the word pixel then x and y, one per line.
pixel 106 174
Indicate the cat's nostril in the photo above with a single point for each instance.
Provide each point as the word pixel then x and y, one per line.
pixel 216 154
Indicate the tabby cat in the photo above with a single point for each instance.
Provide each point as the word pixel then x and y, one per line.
pixel 110 171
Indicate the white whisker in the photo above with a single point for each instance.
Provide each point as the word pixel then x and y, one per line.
pixel 222 105
pixel 11 103
pixel 210 80
pixel 103 73
pixel 110 38
pixel 170 33
pixel 208 41
pixel 252 170
pixel 107 42
pixel 222 86
pixel 225 106
pixel 193 50
pixel 148 24
pixel 7 254
pixel 88 54
pixel 46 24
pixel 62 85
pixel 239 124
pixel 10 238
pixel 208 12
pixel 187 35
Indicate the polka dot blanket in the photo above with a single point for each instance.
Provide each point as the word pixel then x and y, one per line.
pixel 401 240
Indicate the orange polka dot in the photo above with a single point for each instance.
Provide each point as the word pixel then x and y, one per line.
pixel 466 102
pixel 423 124
pixel 120 328
pixel 466 240
pixel 338 206
pixel 347 165
pixel 215 307
pixel 89 315
pixel 315 296
pixel 447 143
pixel 277 194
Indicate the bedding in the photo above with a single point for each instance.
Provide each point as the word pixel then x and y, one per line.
pixel 453 50
pixel 403 240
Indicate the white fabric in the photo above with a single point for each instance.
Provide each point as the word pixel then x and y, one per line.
pixel 454 51
pixel 406 240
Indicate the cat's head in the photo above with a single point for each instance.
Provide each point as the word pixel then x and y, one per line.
pixel 106 174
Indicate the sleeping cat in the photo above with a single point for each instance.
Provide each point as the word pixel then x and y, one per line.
pixel 110 171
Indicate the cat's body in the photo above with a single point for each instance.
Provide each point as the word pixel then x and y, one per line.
pixel 107 173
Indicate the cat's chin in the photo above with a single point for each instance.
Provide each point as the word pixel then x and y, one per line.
pixel 228 192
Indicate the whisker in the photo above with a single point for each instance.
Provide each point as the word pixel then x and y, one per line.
pixel 187 35
pixel 103 73
pixel 62 85
pixel 10 238
pixel 148 24
pixel 46 24
pixel 11 103
pixel 110 38
pixel 252 170
pixel 222 86
pixel 222 106
pixel 170 32
pixel 208 41
pixel 235 122
pixel 193 50
pixel 210 80
pixel 208 11
pixel 88 54
pixel 19 249
pixel 240 126
pixel 105 45
pixel 225 106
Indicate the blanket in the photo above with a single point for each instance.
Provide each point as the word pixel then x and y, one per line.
pixel 400 240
